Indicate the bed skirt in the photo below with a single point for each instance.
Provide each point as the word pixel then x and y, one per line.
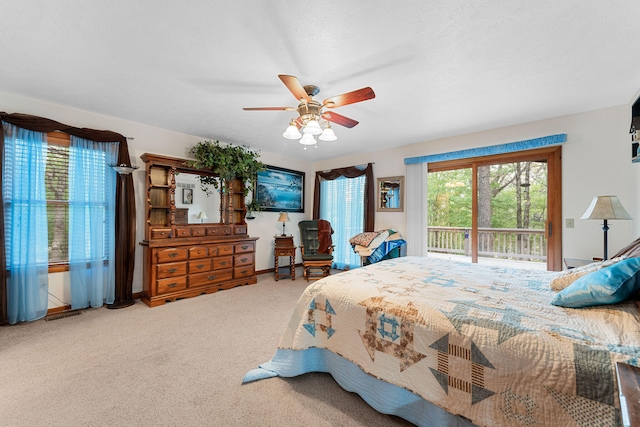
pixel 380 395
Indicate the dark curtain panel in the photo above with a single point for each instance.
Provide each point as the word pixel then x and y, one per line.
pixel 126 245
pixel 350 172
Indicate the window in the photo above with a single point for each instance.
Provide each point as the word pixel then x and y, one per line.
pixel 57 190
pixel 57 182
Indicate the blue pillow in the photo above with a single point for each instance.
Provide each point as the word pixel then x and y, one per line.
pixel 609 285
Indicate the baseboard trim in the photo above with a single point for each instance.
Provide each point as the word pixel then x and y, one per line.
pixel 57 310
pixel 272 269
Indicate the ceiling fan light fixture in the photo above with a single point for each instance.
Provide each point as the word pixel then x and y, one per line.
pixel 312 127
pixel 292 132
pixel 312 117
pixel 307 139
pixel 328 135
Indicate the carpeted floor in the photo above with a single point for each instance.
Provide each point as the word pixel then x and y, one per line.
pixel 180 364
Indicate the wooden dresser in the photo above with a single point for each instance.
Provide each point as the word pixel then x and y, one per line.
pixel 187 260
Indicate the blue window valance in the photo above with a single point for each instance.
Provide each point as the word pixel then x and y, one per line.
pixel 490 150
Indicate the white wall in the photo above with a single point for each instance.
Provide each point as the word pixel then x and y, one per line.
pixel 595 161
pixel 161 141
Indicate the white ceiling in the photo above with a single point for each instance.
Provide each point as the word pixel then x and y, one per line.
pixel 438 68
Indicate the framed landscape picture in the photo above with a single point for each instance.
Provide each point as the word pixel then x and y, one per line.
pixel 280 190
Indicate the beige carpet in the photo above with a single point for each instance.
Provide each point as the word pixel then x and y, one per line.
pixel 180 364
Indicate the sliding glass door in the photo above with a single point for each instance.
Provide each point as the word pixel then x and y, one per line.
pixel 502 206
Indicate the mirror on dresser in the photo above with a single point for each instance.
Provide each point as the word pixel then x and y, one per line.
pixel 191 201
pixel 390 194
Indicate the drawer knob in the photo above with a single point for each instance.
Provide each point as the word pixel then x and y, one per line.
pixel 200 266
pixel 243 272
pixel 223 262
pixel 244 259
pixel 245 246
pixel 172 270
pixel 212 277
pixel 173 254
pixel 172 285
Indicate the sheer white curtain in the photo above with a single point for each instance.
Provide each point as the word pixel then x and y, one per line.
pixel 25 223
pixel 92 206
pixel 416 196
pixel 343 206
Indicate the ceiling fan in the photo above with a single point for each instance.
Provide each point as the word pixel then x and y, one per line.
pixel 312 118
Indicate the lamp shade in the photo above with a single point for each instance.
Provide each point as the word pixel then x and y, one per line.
pixel 312 127
pixel 307 139
pixel 202 215
pixel 123 169
pixel 292 132
pixel 605 207
pixel 328 135
pixel 284 217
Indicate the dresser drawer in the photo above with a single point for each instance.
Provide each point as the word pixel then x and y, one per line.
pixel 196 252
pixel 222 262
pixel 285 251
pixel 172 284
pixel 242 259
pixel 183 232
pixel 239 229
pixel 171 269
pixel 246 271
pixel 171 255
pixel 225 249
pixel 212 231
pixel 199 265
pixel 200 279
pixel 197 231
pixel 225 231
pixel 244 247
pixel 160 233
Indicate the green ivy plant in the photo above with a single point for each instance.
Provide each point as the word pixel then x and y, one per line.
pixel 229 162
pixel 252 207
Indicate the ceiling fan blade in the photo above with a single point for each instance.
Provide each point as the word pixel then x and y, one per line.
pixel 269 109
pixel 293 84
pixel 339 119
pixel 349 98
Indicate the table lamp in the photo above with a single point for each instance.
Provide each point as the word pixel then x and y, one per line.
pixel 606 208
pixel 202 216
pixel 284 217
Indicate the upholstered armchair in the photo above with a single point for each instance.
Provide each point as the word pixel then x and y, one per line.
pixel 316 247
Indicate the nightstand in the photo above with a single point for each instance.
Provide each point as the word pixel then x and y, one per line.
pixel 284 247
pixel 629 390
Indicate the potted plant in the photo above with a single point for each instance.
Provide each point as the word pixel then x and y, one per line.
pixel 252 207
pixel 230 162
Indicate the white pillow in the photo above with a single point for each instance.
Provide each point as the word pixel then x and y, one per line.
pixel 567 277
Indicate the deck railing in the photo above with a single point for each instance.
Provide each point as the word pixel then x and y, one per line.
pixel 506 243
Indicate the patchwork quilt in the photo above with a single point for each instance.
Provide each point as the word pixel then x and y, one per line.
pixel 478 341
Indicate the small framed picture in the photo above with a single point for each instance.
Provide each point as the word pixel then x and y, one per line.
pixel 187 196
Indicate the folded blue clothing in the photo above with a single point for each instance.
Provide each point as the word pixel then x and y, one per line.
pixel 384 248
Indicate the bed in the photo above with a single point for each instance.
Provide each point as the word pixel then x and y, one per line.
pixel 442 342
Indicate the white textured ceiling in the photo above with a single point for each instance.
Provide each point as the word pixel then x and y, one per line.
pixel 438 68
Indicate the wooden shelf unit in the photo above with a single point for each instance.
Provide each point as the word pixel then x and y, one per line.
pixel 184 260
